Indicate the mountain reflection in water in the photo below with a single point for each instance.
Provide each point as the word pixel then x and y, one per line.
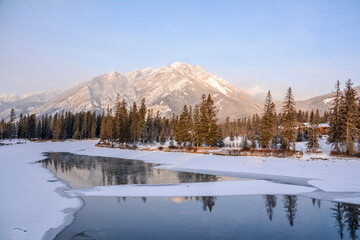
pixel 86 171
pixel 81 171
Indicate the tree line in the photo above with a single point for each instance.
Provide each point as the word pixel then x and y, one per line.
pixel 124 125
pixel 198 126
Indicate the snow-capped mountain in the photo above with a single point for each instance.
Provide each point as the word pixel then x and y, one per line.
pixel 322 102
pixel 25 103
pixel 165 89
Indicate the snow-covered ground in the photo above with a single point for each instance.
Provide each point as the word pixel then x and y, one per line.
pixel 32 204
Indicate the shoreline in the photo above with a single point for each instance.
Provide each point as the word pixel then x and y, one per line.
pixel 47 210
pixel 69 212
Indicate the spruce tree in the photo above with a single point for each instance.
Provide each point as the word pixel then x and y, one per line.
pixel 123 123
pixel 142 121
pixel 77 126
pixel 103 134
pixel 162 136
pixel 317 117
pixel 134 125
pixel 350 117
pixel 196 126
pixel 183 128
pixel 336 127
pixel 21 125
pixel 288 125
pixel 2 129
pixel 109 125
pixel 209 133
pixel 12 125
pixel 268 122
pixel 32 126
pixel 57 127
pixel 313 142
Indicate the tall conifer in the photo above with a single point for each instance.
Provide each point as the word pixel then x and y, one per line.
pixel 268 122
pixel 288 125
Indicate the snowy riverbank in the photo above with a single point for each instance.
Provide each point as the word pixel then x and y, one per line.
pixel 32 202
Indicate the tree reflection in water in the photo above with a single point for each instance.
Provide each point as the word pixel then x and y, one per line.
pixel 122 171
pixel 290 208
pixel 348 214
pixel 270 204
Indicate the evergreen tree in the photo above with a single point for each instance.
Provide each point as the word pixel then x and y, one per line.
pixel 349 113
pixel 134 125
pixel 57 127
pixel 109 125
pixel 21 127
pixel 336 127
pixel 122 122
pixel 103 133
pixel 32 126
pixel 77 126
pixel 2 129
pixel 12 126
pixel 268 122
pixel 196 126
pixel 317 117
pixel 142 121
pixel 93 125
pixel 183 128
pixel 210 130
pixel 288 125
pixel 313 142
pixel 162 136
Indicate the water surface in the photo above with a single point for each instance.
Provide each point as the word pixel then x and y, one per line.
pixel 203 217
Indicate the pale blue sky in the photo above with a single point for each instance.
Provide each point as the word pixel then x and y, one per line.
pixel 307 45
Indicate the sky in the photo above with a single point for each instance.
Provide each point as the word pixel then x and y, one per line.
pixel 254 45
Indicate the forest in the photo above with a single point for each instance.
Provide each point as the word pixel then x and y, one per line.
pixel 197 126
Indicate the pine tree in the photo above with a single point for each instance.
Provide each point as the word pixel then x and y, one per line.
pixel 162 136
pixel 313 142
pixel 122 122
pixel 77 126
pixel 183 128
pixel 2 129
pixel 109 125
pixel 21 125
pixel 142 121
pixel 317 117
pixel 268 122
pixel 336 127
pixel 288 125
pixel 350 117
pixel 12 125
pixel 209 132
pixel 196 126
pixel 57 127
pixel 32 126
pixel 134 125
pixel 103 134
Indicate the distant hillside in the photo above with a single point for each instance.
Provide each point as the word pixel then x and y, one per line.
pixel 165 89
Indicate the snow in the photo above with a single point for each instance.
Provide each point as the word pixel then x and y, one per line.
pixel 220 87
pixel 229 188
pixel 32 203
pixel 328 100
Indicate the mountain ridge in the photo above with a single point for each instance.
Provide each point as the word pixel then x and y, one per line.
pixel 165 89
